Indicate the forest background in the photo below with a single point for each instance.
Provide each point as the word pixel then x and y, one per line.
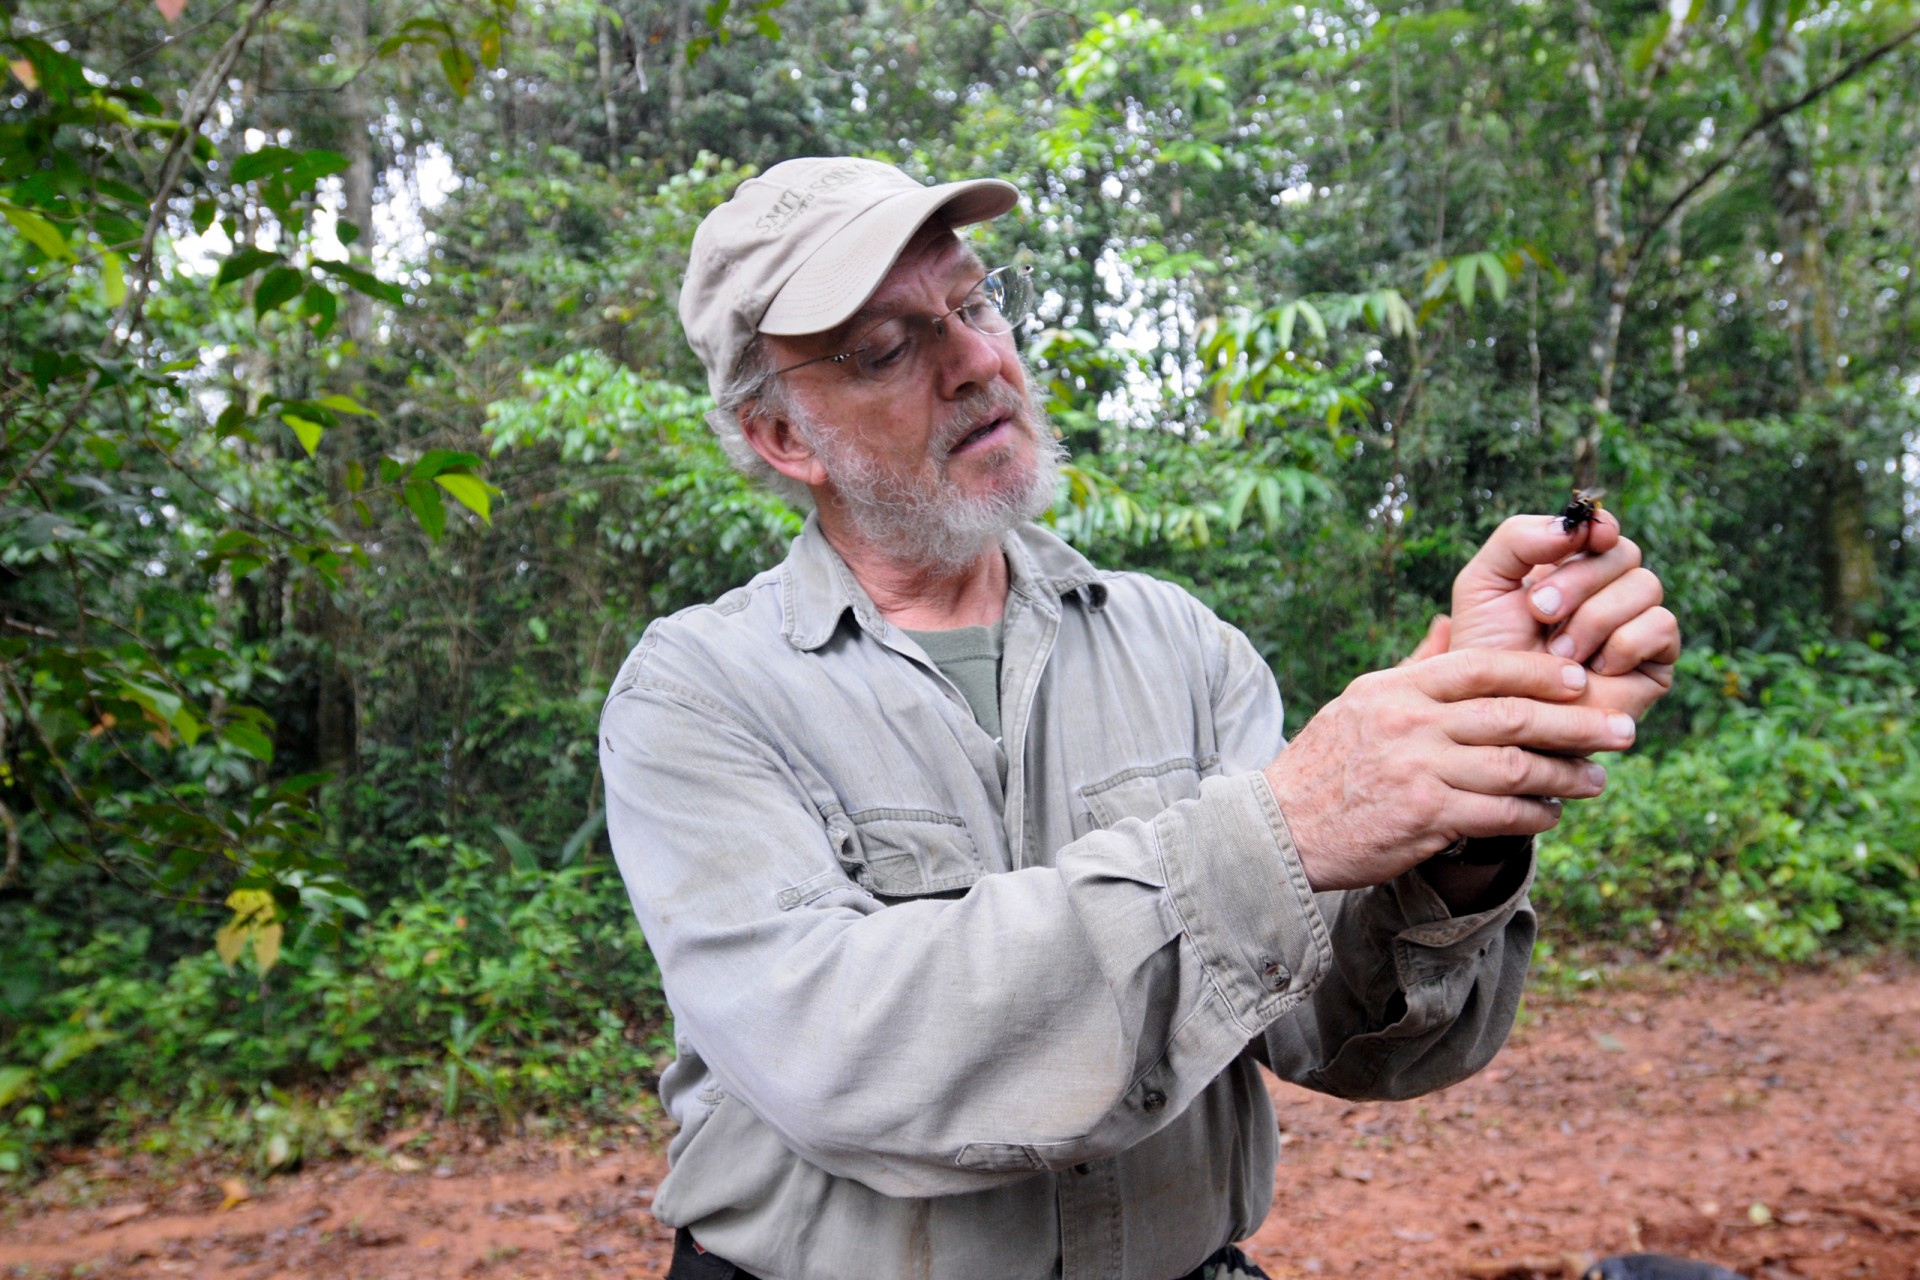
pixel 348 441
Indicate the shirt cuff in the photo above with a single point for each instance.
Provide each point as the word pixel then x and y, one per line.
pixel 1243 900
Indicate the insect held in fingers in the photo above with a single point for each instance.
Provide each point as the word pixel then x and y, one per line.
pixel 1582 509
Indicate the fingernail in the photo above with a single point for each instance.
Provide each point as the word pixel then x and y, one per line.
pixel 1596 776
pixel 1558 524
pixel 1622 726
pixel 1547 600
pixel 1561 646
pixel 1575 677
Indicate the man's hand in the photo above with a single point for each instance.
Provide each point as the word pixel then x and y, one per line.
pixel 1581 595
pixel 1405 762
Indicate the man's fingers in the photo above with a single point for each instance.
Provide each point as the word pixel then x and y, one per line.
pixel 1650 636
pixel 1480 816
pixel 1490 673
pixel 1556 595
pixel 1537 726
pixel 1632 693
pixel 1587 628
pixel 1434 643
pixel 1515 771
pixel 1523 543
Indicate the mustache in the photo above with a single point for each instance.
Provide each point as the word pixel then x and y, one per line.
pixel 988 402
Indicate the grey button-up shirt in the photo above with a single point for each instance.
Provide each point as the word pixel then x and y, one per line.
pixel 952 1008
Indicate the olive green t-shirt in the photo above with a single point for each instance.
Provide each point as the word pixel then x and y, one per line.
pixel 970 657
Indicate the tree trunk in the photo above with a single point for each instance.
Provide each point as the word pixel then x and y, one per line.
pixel 604 31
pixel 1850 576
pixel 357 136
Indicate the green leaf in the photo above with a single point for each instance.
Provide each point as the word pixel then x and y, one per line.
pixel 1496 275
pixel 1315 321
pixel 257 164
pixel 1463 269
pixel 434 461
pixel 344 404
pixel 425 503
pixel 282 284
pixel 356 476
pixel 43 234
pixel 320 308
pixel 519 851
pixel 595 823
pixel 1270 502
pixel 305 430
pixel 471 492
pixel 249 739
pixel 363 282
pixel 458 68
pixel 113 278
pixel 243 264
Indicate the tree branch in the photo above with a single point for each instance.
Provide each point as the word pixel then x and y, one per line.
pixel 1768 118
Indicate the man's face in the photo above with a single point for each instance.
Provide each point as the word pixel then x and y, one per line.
pixel 933 467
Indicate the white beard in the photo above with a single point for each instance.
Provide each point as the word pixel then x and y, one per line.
pixel 923 520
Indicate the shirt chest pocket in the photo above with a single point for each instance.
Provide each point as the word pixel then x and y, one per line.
pixel 905 853
pixel 1143 791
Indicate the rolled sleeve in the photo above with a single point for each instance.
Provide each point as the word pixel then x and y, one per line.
pixel 1419 999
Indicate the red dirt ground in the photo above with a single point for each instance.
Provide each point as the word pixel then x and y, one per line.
pixel 1769 1124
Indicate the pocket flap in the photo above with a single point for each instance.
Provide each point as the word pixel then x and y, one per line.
pixel 909 853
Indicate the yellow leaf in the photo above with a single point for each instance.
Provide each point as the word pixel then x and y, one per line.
pixel 236 1193
pixel 252 922
pixel 266 947
pixel 24 72
pixel 227 944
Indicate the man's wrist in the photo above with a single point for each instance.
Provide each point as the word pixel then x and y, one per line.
pixel 1481 876
pixel 1488 851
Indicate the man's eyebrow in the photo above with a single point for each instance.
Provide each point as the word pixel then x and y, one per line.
pixel 973 270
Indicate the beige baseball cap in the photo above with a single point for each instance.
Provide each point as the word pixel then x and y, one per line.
pixel 801 247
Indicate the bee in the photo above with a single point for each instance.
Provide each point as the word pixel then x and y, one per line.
pixel 1584 507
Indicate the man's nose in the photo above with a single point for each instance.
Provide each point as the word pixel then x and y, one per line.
pixel 967 356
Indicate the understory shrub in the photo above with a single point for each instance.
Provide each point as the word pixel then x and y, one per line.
pixel 492 990
pixel 1781 821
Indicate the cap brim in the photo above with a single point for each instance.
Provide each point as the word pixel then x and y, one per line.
pixel 842 274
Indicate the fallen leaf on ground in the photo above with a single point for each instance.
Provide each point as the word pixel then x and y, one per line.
pixel 236 1192
pixel 124 1213
pixel 1356 1174
pixel 555 1221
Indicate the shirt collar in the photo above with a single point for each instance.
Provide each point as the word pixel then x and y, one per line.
pixel 818 589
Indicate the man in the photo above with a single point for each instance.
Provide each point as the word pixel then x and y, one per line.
pixel 979 878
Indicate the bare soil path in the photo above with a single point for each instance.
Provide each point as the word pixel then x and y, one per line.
pixel 1771 1124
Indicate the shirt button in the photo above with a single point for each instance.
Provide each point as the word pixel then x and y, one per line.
pixel 1152 1101
pixel 1277 976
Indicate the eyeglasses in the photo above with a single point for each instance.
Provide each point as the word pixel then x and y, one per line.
pixel 892 348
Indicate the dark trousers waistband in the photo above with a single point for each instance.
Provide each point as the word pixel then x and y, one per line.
pixel 691 1262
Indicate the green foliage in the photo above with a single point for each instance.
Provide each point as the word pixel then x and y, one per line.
pixel 333 492
pixel 1784 823
pixel 495 988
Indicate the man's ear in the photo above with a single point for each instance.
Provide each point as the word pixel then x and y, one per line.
pixel 783 448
